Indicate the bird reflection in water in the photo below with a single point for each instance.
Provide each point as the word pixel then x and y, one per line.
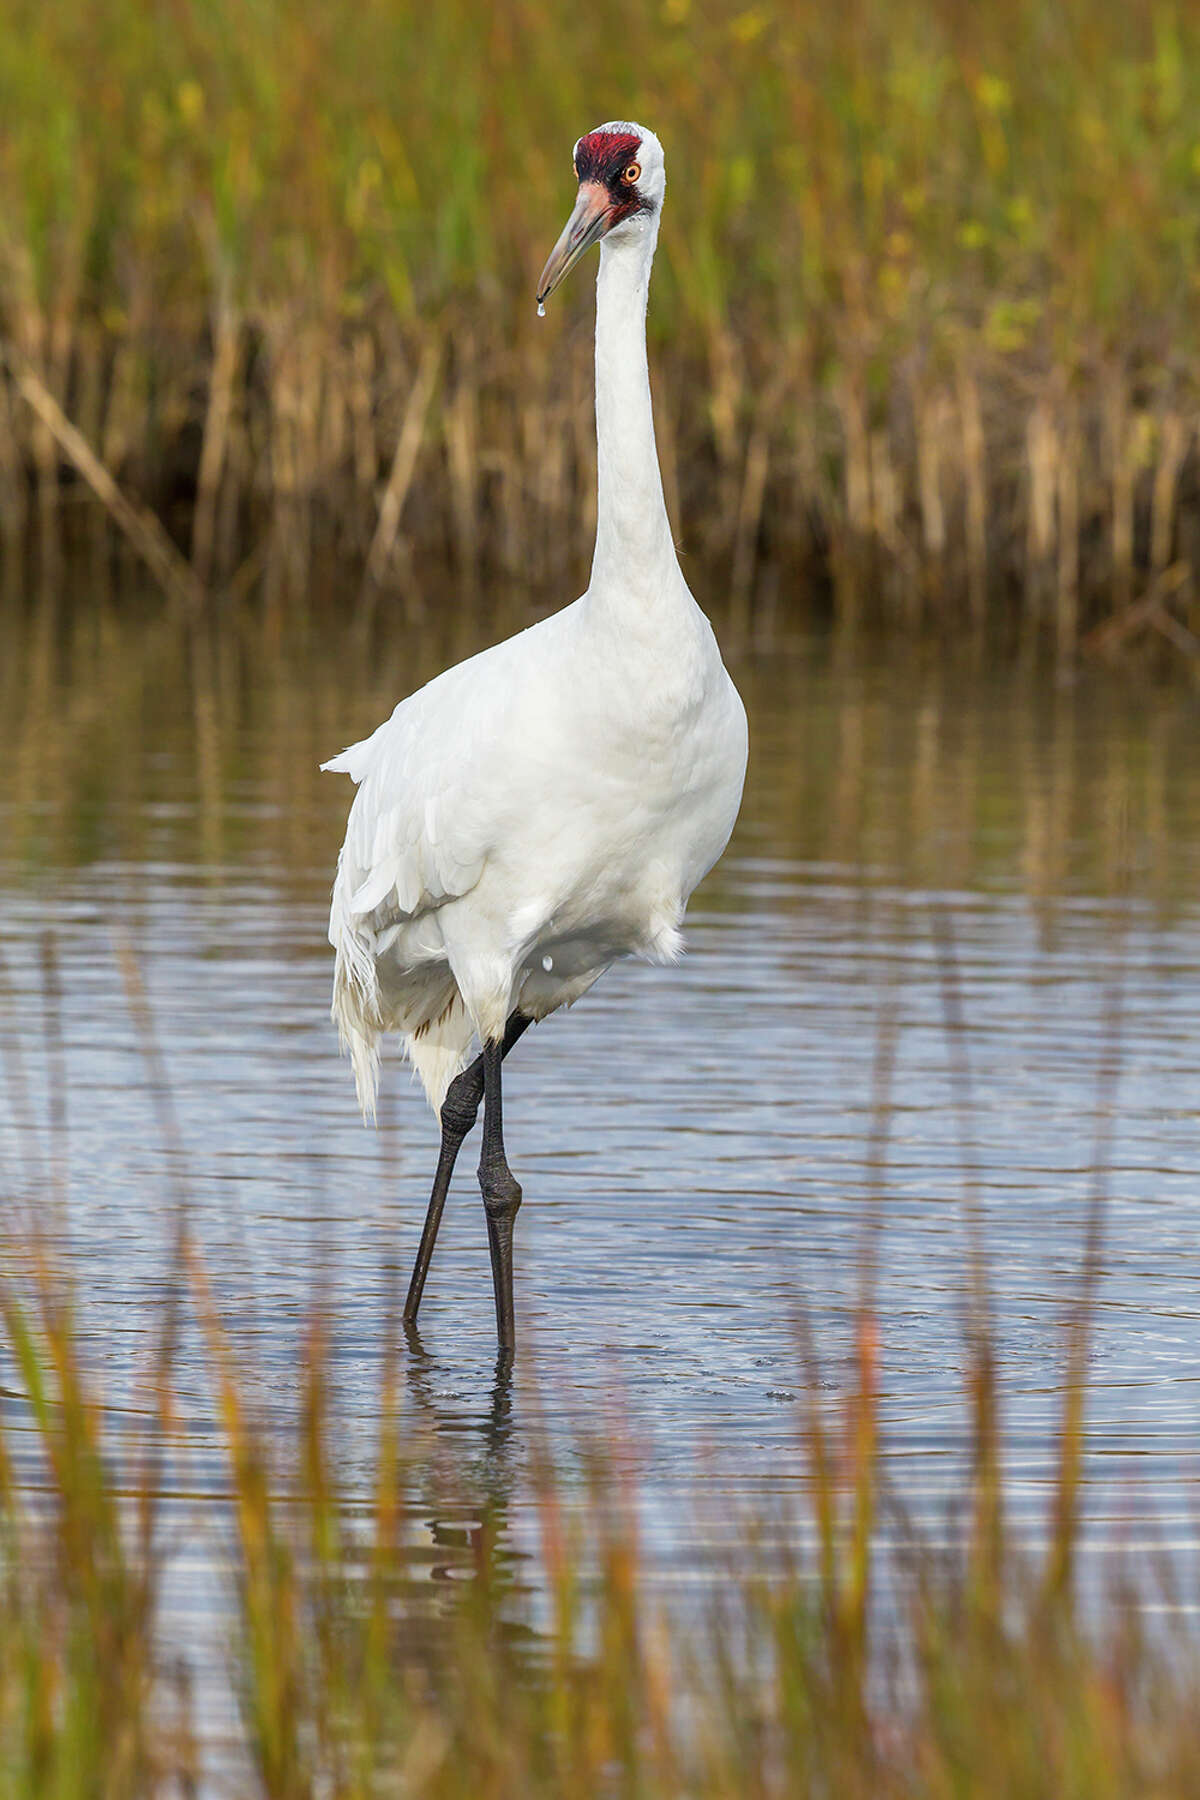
pixel 481 1465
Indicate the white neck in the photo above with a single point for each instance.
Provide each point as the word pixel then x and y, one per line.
pixel 635 554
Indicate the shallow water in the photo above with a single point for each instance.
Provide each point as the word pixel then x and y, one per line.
pixel 694 1143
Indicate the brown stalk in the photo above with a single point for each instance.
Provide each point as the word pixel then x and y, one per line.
pixel 290 557
pixel 1120 453
pixel 852 406
pixel 931 415
pixel 1041 462
pixel 975 475
pixel 116 436
pixel 361 410
pixel 1066 619
pixel 236 483
pixel 1174 441
pixel 461 430
pixel 404 464
pixel 32 332
pixel 552 485
pixel 90 410
pixel 724 401
pixel 216 437
pixel 12 475
pixel 749 520
pixel 335 416
pixel 310 362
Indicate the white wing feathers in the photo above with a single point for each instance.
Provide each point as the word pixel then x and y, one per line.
pixel 416 838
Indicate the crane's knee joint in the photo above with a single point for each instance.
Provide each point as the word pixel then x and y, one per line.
pixel 460 1108
pixel 501 1193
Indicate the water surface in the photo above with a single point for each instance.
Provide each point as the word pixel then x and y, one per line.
pixel 694 1143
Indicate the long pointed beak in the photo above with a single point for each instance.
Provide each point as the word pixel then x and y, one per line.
pixel 586 226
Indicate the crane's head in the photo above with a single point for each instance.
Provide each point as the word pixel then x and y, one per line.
pixel 622 179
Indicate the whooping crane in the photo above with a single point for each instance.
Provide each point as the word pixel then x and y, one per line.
pixel 549 805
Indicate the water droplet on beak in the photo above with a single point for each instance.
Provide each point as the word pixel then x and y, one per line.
pixel 541 310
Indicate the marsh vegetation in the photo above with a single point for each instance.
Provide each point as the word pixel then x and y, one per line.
pixel 924 321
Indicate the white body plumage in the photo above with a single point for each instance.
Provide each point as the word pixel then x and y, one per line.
pixel 548 806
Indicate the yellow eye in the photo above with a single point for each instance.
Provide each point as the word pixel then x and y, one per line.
pixel 632 174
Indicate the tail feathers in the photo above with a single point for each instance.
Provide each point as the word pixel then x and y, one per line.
pixel 435 1027
pixel 356 1010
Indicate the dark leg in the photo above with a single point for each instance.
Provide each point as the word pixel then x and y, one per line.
pixel 459 1110
pixel 501 1194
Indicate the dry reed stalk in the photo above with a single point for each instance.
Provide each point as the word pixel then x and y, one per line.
pixel 852 408
pixel 507 462
pixel 974 450
pixel 460 427
pixel 1070 449
pixel 1041 464
pixel 89 390
pixel 214 443
pixel 307 365
pixel 290 554
pixel 58 368
pixel 30 343
pixel 747 527
pixel 850 546
pixel 13 497
pixel 931 413
pixel 116 438
pixel 530 460
pixel 556 511
pixel 1174 442
pixel 364 451
pixel 137 522
pixel 404 464
pixel 900 575
pixel 90 417
pixel 128 400
pixel 724 405
pixel 544 432
pixel 236 483
pixel 1123 471
pixel 804 491
pixel 335 416
pixel 283 401
pixel 64 288
pixel 885 491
